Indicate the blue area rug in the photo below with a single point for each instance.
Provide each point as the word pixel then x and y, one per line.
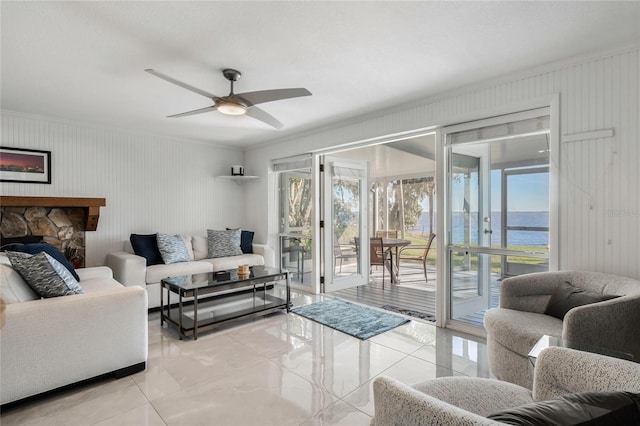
pixel 355 320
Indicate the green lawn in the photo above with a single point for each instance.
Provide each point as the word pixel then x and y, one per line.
pixel 496 266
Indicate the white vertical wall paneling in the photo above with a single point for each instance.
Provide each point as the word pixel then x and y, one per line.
pixel 599 189
pixel 633 167
pixel 634 151
pixel 151 183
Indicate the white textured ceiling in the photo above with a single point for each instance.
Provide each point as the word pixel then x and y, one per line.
pixel 85 60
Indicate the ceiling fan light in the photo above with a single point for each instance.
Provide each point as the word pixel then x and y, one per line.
pixel 230 108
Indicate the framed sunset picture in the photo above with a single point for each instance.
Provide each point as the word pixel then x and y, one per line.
pixel 25 165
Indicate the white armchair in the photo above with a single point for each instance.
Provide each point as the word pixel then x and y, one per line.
pixel 467 401
pixel 520 321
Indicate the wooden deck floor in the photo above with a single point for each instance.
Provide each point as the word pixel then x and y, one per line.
pixel 411 293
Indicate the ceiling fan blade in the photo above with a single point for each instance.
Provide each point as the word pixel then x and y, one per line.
pixel 179 83
pixel 194 112
pixel 262 96
pixel 263 116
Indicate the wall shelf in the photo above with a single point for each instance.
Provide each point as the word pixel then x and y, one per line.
pixel 238 179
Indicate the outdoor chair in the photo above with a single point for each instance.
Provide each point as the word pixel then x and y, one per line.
pixel 378 256
pixel 342 252
pixel 421 256
pixel 388 233
pixel 295 248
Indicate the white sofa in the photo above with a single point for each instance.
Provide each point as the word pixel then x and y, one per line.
pixel 132 270
pixel 46 344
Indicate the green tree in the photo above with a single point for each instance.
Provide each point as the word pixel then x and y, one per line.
pixel 299 202
pixel 413 192
pixel 346 198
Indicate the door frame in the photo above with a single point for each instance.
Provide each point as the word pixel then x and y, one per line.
pixel 316 231
pixel 475 120
pixel 434 123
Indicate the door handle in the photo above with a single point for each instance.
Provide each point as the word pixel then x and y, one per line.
pixel 488 231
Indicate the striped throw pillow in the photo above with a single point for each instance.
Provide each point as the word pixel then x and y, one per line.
pixel 45 275
pixel 172 248
pixel 223 243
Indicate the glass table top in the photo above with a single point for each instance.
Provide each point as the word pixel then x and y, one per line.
pixel 211 279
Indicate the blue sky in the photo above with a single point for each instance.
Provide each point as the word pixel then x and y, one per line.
pixel 527 193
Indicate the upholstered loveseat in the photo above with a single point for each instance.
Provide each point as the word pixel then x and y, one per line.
pixel 534 305
pixel 132 270
pixel 53 342
pixel 466 401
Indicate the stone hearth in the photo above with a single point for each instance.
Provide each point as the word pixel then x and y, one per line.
pixel 60 227
pixel 59 221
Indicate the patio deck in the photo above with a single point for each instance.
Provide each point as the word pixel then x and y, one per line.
pixel 411 293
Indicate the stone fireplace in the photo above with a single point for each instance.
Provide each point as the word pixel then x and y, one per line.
pixel 61 222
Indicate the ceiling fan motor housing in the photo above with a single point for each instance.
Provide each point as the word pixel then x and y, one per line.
pixel 231 74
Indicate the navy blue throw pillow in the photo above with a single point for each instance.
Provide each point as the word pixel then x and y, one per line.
pixel 46 248
pixel 246 240
pixel 147 247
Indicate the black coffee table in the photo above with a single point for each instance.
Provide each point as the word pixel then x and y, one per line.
pixel 230 297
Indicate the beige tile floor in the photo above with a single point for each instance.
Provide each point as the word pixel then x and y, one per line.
pixel 279 370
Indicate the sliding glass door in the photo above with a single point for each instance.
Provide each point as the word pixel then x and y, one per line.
pixel 497 209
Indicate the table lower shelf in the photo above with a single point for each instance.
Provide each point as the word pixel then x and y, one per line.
pixel 212 313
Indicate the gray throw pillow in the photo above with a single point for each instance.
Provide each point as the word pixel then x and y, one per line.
pixel 172 248
pixel 45 275
pixel 223 243
pixel 566 297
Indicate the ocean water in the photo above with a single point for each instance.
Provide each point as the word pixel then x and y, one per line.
pixel 518 238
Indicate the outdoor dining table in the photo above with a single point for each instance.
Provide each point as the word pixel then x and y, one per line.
pixel 394 245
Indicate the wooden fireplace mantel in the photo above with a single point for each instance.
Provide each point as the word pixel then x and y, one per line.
pixel 92 205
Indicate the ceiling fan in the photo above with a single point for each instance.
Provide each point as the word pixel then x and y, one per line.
pixel 237 103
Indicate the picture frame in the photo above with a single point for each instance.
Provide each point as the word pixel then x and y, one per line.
pixel 25 165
